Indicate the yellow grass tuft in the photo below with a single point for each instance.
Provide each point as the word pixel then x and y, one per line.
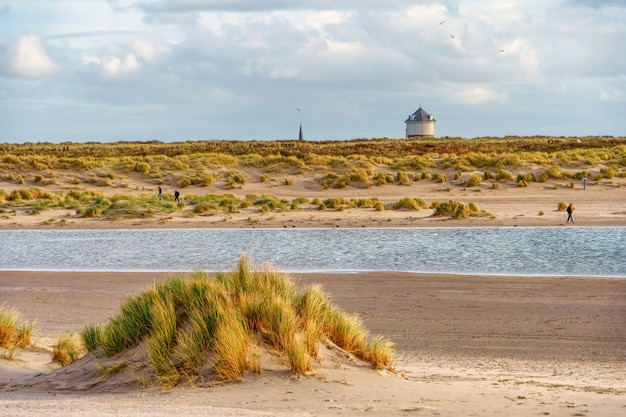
pixel 15 333
pixel 68 348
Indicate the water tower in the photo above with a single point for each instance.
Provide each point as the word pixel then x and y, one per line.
pixel 420 124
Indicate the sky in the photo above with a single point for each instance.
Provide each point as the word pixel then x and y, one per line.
pixel 138 70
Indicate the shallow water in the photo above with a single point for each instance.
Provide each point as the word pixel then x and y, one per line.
pixel 568 251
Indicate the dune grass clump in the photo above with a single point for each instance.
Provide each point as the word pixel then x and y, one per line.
pixel 409 203
pixel 474 180
pixel 459 210
pixel 189 324
pixel 15 332
pixel 504 175
pixel 68 348
pixel 452 208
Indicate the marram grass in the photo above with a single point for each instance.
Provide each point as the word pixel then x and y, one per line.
pixel 188 325
pixel 15 332
pixel 68 348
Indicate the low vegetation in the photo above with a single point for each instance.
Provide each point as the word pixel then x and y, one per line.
pixel 15 332
pixel 459 210
pixel 217 325
pixel 68 348
pixel 95 177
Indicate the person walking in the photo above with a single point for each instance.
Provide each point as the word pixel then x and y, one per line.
pixel 160 194
pixel 570 210
pixel 176 195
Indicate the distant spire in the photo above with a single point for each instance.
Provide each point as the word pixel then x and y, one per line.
pixel 301 135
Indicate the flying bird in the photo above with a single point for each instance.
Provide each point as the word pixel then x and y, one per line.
pixel 297 109
pixel 452 36
pixel 442 22
pixel 501 50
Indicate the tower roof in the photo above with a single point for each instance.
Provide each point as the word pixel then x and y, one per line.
pixel 420 116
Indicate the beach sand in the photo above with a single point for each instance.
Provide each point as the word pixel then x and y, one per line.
pixel 466 346
pixel 600 204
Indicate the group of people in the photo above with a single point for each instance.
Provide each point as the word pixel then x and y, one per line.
pixel 176 195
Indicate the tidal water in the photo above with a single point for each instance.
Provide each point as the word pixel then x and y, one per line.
pixel 567 251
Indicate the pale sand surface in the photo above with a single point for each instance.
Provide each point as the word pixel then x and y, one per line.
pixel 467 345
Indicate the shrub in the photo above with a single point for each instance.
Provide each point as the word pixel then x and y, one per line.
pixel 142 167
pixel 295 203
pixel 504 175
pixel 474 180
pixel 439 178
pixel 561 206
pixel 608 172
pixel 582 174
pixel 235 179
pixel 409 203
pixel 553 172
pixel 32 193
pixel 453 209
pixel 403 178
pixel 526 177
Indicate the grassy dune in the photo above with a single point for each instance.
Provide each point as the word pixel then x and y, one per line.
pixel 214 328
pixel 116 181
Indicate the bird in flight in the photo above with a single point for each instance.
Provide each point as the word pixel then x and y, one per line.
pixel 442 22
pixel 452 36
pixel 297 109
pixel 501 50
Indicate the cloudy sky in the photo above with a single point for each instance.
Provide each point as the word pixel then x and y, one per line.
pixel 173 70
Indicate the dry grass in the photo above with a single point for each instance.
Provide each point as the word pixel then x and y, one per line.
pixel 220 322
pixel 331 164
pixel 15 332
pixel 68 348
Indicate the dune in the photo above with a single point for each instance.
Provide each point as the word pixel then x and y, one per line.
pixel 467 345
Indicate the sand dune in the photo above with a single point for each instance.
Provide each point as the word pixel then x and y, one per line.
pixel 467 345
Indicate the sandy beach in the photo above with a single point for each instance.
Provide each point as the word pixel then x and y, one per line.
pixel 600 203
pixel 466 345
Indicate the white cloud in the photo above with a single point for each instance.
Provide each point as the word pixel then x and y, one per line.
pixel 114 65
pixel 478 95
pixel 29 58
pixel 353 64
pixel 150 51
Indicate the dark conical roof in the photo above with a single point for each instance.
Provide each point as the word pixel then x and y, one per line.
pixel 420 116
